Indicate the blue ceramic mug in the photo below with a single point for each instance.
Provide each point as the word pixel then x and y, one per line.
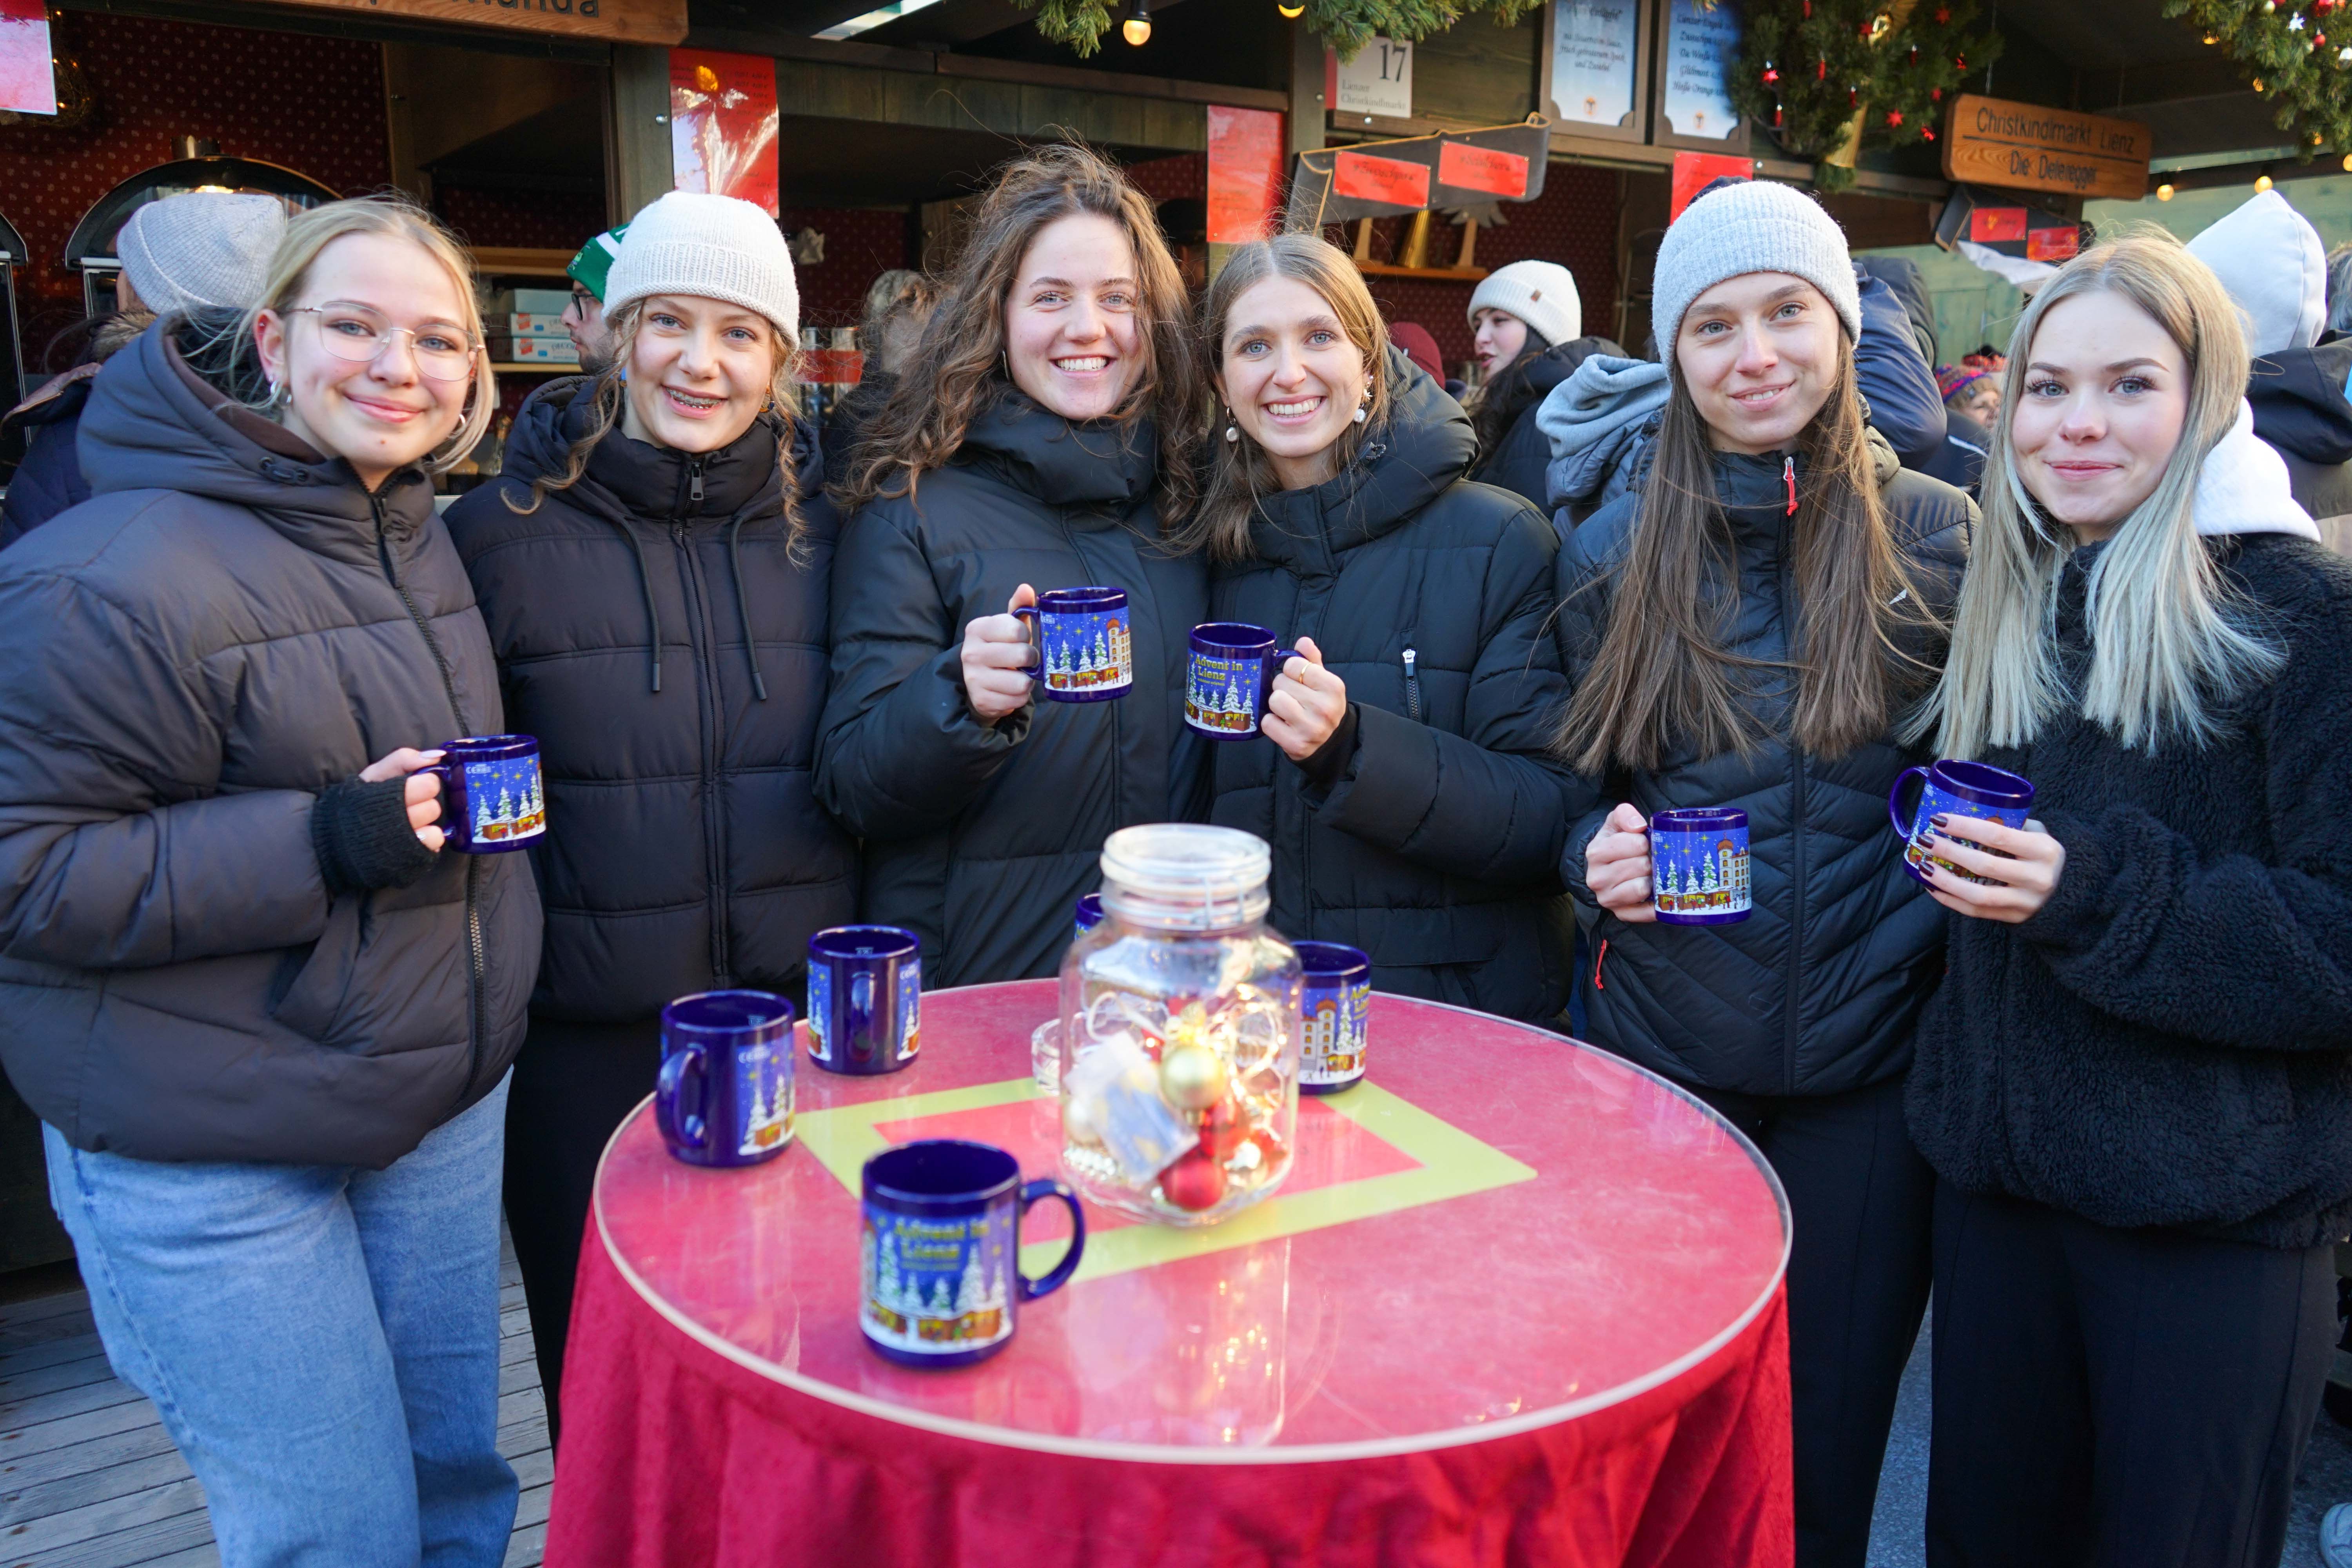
pixel 1089 915
pixel 1230 676
pixel 1337 1004
pixel 1955 788
pixel 1699 865
pixel 939 1254
pixel 725 1093
pixel 865 998
pixel 1084 652
pixel 492 799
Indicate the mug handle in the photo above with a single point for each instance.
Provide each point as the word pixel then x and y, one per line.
pixel 691 1128
pixel 1903 823
pixel 1049 1188
pixel 449 822
pixel 1033 622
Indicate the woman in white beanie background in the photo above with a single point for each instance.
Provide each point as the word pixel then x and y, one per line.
pixel 653 565
pixel 1747 627
pixel 203 250
pixel 1526 323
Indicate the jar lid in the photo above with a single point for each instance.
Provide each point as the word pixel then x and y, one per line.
pixel 1187 866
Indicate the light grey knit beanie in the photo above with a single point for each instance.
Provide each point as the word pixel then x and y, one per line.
pixel 712 247
pixel 200 248
pixel 1752 226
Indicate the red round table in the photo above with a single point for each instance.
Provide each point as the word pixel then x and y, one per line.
pixel 1518 1303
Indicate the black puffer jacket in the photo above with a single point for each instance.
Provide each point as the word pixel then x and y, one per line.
pixel 1520 455
pixel 231 625
pixel 1816 991
pixel 2169 1040
pixel 980 837
pixel 685 849
pixel 2301 408
pixel 1436 849
pixel 49 479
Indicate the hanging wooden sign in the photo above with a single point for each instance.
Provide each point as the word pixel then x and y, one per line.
pixel 2032 147
pixel 615 21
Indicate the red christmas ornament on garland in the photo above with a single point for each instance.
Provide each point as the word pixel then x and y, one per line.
pixel 1893 117
pixel 1896 73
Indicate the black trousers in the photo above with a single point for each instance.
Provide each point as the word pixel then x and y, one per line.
pixel 1860 1201
pixel 573 1085
pixel 2126 1399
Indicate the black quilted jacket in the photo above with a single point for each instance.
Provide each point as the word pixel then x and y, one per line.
pixel 1817 991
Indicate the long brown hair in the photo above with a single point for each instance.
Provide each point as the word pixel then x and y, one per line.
pixel 610 389
pixel 1238 471
pixel 953 374
pixel 1663 678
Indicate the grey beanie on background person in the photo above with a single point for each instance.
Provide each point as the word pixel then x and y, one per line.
pixel 203 249
pixel 1754 225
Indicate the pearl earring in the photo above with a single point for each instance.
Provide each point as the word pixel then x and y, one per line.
pixel 1364 408
pixel 1233 431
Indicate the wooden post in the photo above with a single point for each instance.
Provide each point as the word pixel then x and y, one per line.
pixel 637 131
pixel 1363 239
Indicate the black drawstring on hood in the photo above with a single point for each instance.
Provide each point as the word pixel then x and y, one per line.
pixel 743 607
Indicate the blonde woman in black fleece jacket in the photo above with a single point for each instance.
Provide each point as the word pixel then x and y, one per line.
pixel 2135 1082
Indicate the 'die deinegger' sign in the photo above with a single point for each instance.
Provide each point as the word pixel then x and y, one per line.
pixel 2032 147
pixel 617 21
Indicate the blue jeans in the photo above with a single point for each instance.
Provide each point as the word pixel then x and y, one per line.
pixel 322 1342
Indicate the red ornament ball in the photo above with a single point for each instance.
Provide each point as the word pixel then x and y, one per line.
pixel 1222 1129
pixel 1929 134
pixel 1821 68
pixel 1943 14
pixel 1935 95
pixel 1195 1181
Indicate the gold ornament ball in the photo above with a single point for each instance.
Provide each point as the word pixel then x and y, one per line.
pixel 1191 1077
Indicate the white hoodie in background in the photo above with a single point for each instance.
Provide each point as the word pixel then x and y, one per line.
pixel 2269 257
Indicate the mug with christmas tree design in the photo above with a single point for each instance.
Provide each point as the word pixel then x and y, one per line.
pixel 1699 865
pixel 492 797
pixel 1229 679
pixel 724 1095
pixel 1085 650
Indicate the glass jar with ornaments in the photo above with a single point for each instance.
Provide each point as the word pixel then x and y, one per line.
pixel 1180 1031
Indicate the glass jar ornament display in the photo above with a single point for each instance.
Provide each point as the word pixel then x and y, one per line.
pixel 1180 1031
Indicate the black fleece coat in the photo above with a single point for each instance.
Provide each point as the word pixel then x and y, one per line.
pixel 1436 848
pixel 1522 452
pixel 685 849
pixel 230 625
pixel 2300 409
pixel 2169 1040
pixel 980 837
pixel 1817 991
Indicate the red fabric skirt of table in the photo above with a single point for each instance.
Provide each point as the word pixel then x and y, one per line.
pixel 673 1457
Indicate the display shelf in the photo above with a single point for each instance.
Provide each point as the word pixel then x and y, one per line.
pixel 517 367
pixel 518 261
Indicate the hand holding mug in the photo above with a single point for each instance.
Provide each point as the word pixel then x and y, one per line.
pixel 1308 703
pixel 423 795
pixel 2027 868
pixel 1617 866
pixel 997 654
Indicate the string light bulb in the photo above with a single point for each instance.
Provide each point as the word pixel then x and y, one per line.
pixel 2164 193
pixel 1291 13
pixel 1136 28
pixel 2261 184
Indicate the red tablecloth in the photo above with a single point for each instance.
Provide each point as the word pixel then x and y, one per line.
pixel 1522 1307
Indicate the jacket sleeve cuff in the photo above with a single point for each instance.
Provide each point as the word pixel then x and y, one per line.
pixel 2074 915
pixel 1330 760
pixel 1390 785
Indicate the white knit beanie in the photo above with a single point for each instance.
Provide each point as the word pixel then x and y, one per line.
pixel 200 248
pixel 711 247
pixel 1754 225
pixel 1540 293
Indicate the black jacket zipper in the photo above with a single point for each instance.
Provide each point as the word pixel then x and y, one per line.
pixel 706 688
pixel 1412 687
pixel 474 949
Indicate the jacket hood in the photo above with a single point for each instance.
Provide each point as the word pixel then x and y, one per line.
pixel 1059 461
pixel 1909 286
pixel 1426 446
pixel 2269 260
pixel 632 479
pixel 2244 487
pixel 155 422
pixel 1592 416
pixel 2299 401
pixel 1542 372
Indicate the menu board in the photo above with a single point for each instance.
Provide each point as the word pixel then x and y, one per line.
pixel 1595 63
pixel 1694 73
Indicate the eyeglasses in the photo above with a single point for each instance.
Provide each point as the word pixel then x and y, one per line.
pixel 358 335
pixel 582 300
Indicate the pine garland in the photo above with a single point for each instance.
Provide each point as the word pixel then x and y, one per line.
pixel 2297 53
pixel 1346 24
pixel 1806 68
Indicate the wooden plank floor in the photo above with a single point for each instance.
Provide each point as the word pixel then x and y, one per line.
pixel 89 1479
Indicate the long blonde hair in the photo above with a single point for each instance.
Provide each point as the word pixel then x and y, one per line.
pixel 2166 645
pixel 1239 472
pixel 309 233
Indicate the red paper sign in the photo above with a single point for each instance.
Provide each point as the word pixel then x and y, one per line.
pixel 28 83
pixel 1362 177
pixel 722 125
pixel 831 367
pixel 2052 244
pixel 1483 169
pixel 1987 225
pixel 1245 160
pixel 1693 172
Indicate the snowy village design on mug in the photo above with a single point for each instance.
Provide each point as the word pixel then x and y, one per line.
pixel 492 800
pixel 1232 670
pixel 1699 860
pixel 1337 1006
pixel 1084 651
pixel 1955 788
pixel 865 998
pixel 724 1096
pixel 939 1281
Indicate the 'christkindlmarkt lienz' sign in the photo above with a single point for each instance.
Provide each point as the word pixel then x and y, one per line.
pixel 615 21
pixel 2032 147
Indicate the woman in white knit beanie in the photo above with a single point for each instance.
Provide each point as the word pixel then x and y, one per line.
pixel 653 565
pixel 1743 630
pixel 1526 323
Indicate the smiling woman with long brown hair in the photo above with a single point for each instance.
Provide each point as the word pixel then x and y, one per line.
pixel 1745 629
pixel 1040 437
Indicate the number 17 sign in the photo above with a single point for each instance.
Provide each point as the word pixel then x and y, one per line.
pixel 1379 80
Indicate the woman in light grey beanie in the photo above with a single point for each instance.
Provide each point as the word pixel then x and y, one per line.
pixel 203 249
pixel 1743 630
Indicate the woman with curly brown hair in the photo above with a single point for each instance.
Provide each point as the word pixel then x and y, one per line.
pixel 1039 439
